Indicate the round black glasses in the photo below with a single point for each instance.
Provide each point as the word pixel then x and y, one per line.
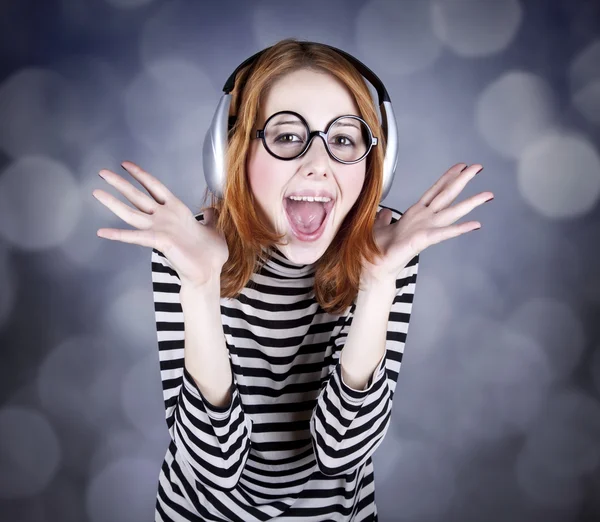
pixel 286 136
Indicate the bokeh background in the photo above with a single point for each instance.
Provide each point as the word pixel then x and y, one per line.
pixel 497 410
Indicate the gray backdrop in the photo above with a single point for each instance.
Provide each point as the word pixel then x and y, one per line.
pixel 496 415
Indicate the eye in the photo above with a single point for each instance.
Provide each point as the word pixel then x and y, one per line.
pixel 347 143
pixel 282 138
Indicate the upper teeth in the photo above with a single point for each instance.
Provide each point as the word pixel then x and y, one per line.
pixel 322 199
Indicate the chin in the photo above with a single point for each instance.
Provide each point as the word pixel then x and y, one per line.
pixel 303 254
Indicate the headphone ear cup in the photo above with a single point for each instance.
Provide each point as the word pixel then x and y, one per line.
pixel 214 150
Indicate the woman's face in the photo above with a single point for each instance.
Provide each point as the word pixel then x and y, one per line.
pixel 319 98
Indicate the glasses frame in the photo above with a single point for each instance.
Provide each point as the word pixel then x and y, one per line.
pixel 260 133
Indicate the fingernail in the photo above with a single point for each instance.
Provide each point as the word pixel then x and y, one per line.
pixel 479 171
pixel 489 199
pixel 102 176
pixel 465 167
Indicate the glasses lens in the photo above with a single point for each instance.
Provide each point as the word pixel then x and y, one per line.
pixel 286 135
pixel 349 139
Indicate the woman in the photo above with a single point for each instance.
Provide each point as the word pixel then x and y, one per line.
pixel 293 313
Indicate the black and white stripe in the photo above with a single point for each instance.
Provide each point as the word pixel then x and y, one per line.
pixel 295 443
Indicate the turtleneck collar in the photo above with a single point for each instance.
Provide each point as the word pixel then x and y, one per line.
pixel 282 267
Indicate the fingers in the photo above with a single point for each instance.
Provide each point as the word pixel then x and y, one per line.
pixel 140 219
pixel 135 218
pixel 437 235
pixel 383 218
pixel 454 213
pixel 439 185
pixel 454 187
pixel 209 216
pixel 156 189
pixel 139 237
pixel 135 196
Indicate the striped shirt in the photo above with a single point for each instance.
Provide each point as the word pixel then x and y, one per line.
pixel 295 442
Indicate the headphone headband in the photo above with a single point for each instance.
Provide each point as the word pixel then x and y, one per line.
pixel 382 93
pixel 215 142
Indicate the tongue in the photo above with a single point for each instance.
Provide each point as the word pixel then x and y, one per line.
pixel 307 216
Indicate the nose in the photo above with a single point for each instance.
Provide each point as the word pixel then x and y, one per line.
pixel 317 154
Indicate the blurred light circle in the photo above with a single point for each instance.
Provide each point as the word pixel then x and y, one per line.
pixel 130 310
pixel 35 106
pixel 475 27
pixel 195 33
pixel 514 111
pixel 98 86
pixel 30 453
pixel 488 489
pixel 83 17
pixel 445 407
pixel 584 77
pixel 431 328
pixel 553 325
pixel 387 456
pixel 141 394
pixel 39 203
pixel 396 37
pixel 495 341
pixel 559 176
pixel 560 450
pixel 192 81
pixel 425 480
pixel 564 440
pixel 547 490
pixel 117 443
pixel 587 101
pixel 68 380
pixel 473 287
pixel 415 132
pixel 62 500
pixel 512 369
pixel 273 21
pixel 83 247
pixel 167 114
pixel 123 490
pixel 474 388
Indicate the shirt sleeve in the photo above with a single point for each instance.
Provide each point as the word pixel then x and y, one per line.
pixel 348 425
pixel 213 443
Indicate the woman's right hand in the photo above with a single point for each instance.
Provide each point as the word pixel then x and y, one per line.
pixel 197 251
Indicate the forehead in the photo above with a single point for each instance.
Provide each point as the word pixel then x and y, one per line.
pixel 318 96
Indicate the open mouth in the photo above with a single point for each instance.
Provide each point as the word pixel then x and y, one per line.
pixel 298 232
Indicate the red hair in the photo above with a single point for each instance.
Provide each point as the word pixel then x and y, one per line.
pixel 337 272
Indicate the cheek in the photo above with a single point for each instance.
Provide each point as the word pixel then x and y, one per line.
pixel 353 182
pixel 264 180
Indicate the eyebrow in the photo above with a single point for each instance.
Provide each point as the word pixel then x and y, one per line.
pixel 287 122
pixel 296 122
pixel 342 124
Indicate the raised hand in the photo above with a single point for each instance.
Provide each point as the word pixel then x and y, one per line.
pixel 197 251
pixel 429 221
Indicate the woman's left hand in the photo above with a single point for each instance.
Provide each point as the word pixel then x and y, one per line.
pixel 427 222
